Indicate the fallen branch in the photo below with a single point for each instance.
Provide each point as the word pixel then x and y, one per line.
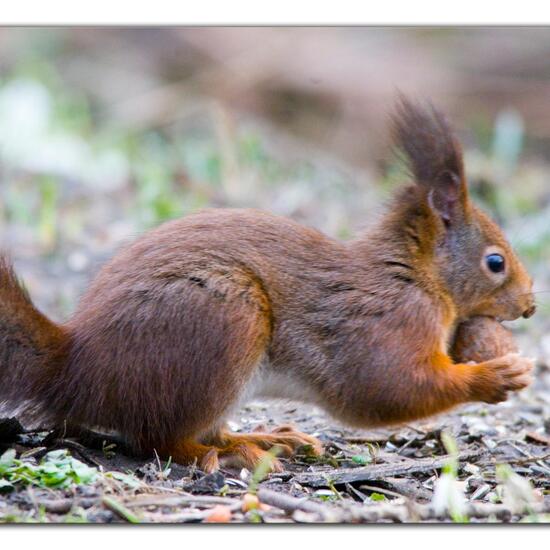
pixel 528 459
pixel 181 517
pixel 189 516
pixel 291 504
pixel 402 512
pixel 379 471
pixel 179 500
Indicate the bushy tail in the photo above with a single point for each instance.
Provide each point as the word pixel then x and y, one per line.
pixel 32 348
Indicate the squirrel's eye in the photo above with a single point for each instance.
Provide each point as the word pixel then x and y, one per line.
pixel 495 263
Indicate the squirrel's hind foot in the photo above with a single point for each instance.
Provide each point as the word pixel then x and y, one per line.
pixel 247 450
pixel 286 439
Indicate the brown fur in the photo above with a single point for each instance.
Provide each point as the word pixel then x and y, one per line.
pixel 176 328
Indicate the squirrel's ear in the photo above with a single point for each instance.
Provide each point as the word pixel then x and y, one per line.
pixel 434 157
pixel 445 196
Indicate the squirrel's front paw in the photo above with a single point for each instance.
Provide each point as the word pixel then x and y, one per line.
pixel 504 374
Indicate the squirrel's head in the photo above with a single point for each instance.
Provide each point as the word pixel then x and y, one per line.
pixel 467 252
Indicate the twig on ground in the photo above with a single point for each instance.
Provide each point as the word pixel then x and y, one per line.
pixel 120 509
pixel 383 491
pixel 291 504
pixel 381 471
pixel 528 459
pixel 180 500
pixel 404 512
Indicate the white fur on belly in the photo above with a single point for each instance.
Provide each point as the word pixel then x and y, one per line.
pixel 271 384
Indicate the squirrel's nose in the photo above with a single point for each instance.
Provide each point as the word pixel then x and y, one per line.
pixel 529 312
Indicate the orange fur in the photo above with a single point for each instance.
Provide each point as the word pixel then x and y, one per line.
pixel 241 450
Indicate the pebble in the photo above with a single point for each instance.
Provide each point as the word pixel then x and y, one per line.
pixel 481 492
pixel 529 417
pixel 489 443
pixel 244 474
pixel 101 516
pixel 471 468
pixel 479 428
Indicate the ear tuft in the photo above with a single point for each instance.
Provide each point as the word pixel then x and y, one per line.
pixel 434 155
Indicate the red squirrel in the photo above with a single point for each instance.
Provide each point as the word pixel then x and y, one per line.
pixel 205 312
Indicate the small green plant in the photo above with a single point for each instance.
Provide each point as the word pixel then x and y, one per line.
pixel 167 469
pixel 516 491
pixel 326 495
pixel 58 469
pixel 121 510
pixel 254 516
pixel 448 492
pixel 452 449
pixel 131 481
pixel 362 460
pixel 334 490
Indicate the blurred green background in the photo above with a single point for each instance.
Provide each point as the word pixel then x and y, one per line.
pixel 107 132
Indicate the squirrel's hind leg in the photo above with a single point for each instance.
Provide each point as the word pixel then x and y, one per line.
pixel 243 450
pixel 234 454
